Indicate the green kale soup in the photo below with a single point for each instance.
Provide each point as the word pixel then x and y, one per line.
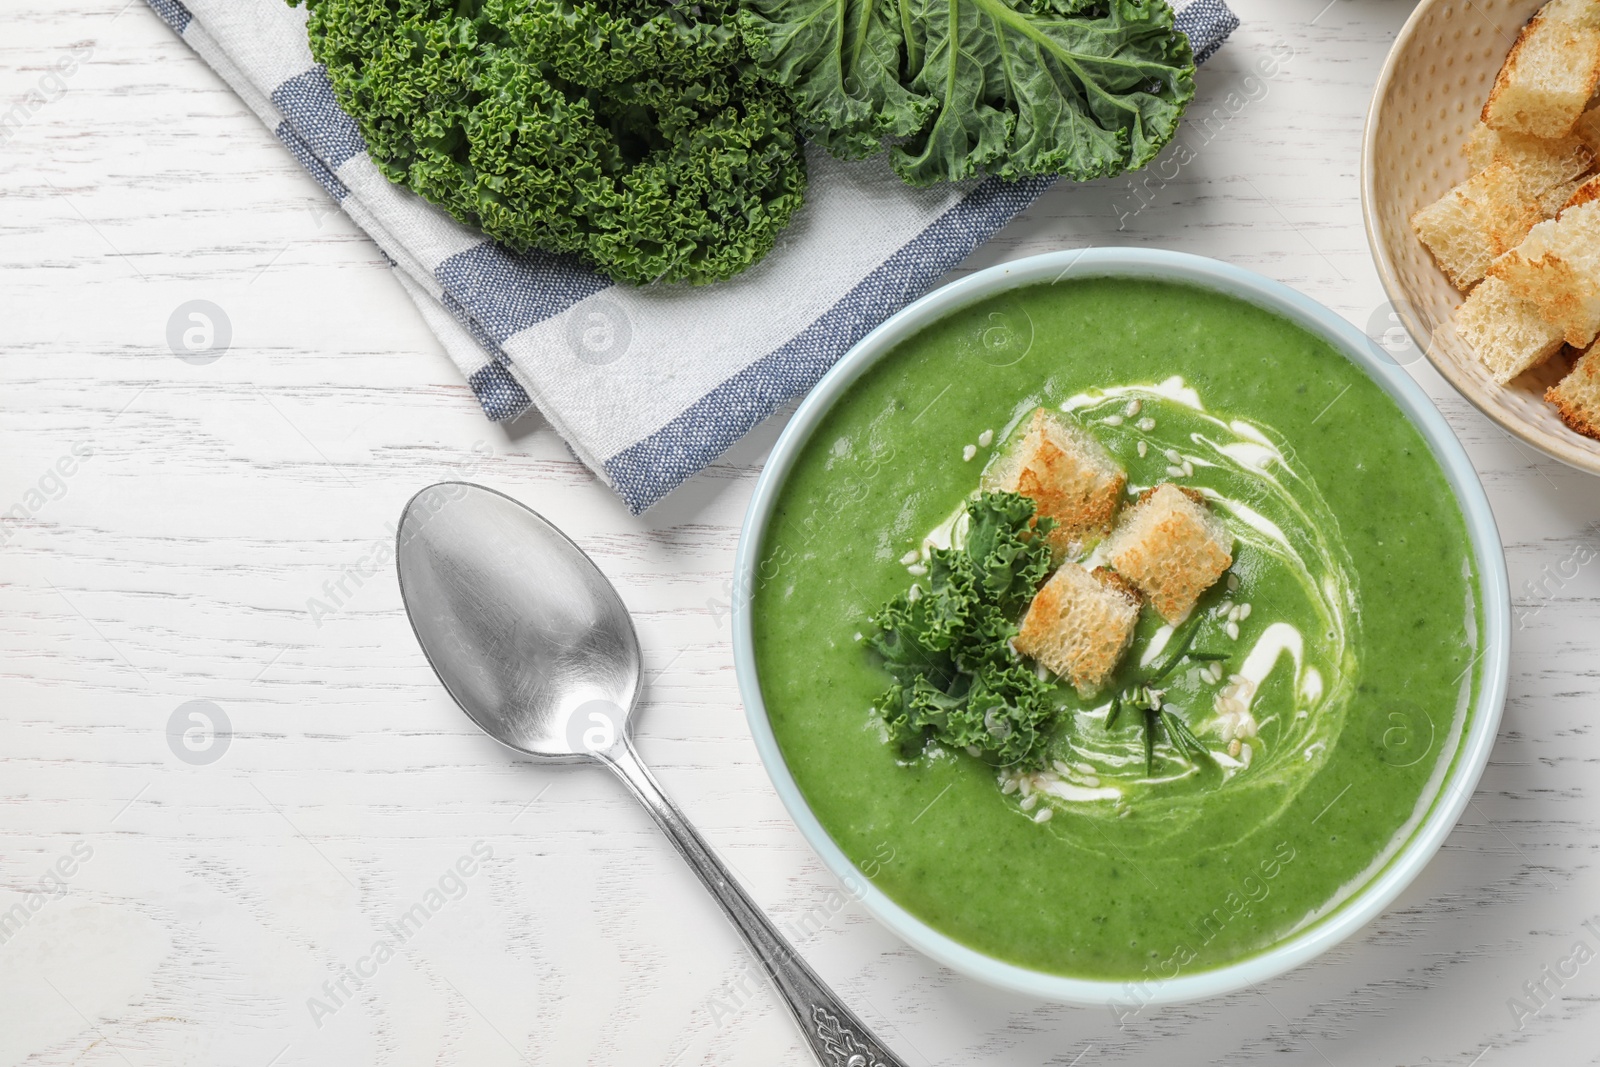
pixel 1250 764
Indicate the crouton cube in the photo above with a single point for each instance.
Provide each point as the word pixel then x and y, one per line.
pixel 1557 267
pixel 1577 396
pixel 1586 192
pixel 1080 625
pixel 1587 130
pixel 1171 548
pixel 1506 332
pixel 1548 170
pixel 1551 72
pixel 1068 475
pixel 1483 217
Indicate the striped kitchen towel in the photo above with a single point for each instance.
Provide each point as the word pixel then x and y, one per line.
pixel 647 385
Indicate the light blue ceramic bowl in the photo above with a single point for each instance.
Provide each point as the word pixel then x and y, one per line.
pixel 1458 770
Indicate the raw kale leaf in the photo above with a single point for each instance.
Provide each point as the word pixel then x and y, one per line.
pixel 956 679
pixel 634 134
pixel 965 87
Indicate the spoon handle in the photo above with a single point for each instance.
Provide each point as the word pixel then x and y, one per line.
pixel 835 1034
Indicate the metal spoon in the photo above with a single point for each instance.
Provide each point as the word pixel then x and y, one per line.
pixel 535 645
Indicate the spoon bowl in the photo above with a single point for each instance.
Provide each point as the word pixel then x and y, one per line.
pixel 538 649
pixel 523 630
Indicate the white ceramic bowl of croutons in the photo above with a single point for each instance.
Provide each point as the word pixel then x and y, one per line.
pixel 1428 99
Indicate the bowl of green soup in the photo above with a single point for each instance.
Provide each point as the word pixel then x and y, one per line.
pixel 1121 627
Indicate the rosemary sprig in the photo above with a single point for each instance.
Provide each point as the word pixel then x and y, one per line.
pixel 1179 651
pixel 1151 718
pixel 1151 722
pixel 1143 693
pixel 1179 731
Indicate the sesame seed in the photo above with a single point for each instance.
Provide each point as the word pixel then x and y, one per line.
pixel 1244 612
pixel 1112 420
pixel 1233 748
pixel 1133 408
pixel 1030 801
pixel 1061 766
pixel 1144 449
pixel 910 557
pixel 1233 582
pixel 1090 780
pixel 1174 472
pixel 1225 608
pixel 857 637
pixel 915 593
pixel 1188 469
pixel 968 452
pixel 1043 815
pixel 1245 753
pixel 1146 424
pixel 1173 455
pixel 917 569
pixel 1233 630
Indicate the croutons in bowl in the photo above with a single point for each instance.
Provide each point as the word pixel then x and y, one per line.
pixel 1479 178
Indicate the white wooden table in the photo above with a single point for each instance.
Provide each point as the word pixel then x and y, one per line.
pixel 203 907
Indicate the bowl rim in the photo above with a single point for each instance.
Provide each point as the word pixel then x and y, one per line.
pixel 1473 748
pixel 1558 446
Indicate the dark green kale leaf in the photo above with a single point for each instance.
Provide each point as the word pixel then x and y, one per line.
pixel 633 134
pixel 956 679
pixel 966 87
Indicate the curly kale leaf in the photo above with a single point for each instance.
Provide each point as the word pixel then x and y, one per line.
pixel 956 679
pixel 635 135
pixel 841 62
pixel 966 87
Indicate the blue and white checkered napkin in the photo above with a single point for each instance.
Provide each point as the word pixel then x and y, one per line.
pixel 647 385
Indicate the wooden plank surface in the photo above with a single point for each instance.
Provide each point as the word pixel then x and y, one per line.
pixel 181 519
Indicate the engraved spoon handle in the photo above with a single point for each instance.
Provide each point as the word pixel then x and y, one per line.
pixel 835 1034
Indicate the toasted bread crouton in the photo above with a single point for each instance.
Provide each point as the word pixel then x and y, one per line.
pixel 1080 625
pixel 1171 548
pixel 1587 130
pixel 1483 217
pixel 1577 396
pixel 1586 192
pixel 1068 475
pixel 1551 73
pixel 1557 266
pixel 1506 332
pixel 1549 170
